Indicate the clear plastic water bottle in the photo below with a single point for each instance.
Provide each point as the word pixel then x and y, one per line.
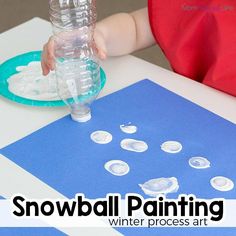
pixel 77 66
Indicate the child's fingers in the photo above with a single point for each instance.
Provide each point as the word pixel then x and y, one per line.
pixel 100 44
pixel 50 53
pixel 44 68
pixel 102 54
pixel 48 60
pixel 101 51
pixel 44 65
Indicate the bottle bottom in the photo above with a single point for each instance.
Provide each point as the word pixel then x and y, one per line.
pixel 81 119
pixel 81 114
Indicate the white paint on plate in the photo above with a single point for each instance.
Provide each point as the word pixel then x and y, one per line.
pixel 30 83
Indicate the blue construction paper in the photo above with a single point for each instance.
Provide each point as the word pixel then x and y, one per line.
pixel 63 155
pixel 179 231
pixel 30 232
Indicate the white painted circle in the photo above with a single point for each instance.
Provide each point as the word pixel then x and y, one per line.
pixel 171 147
pixel 154 187
pixel 101 137
pixel 199 163
pixel 222 183
pixel 134 145
pixel 128 129
pixel 117 167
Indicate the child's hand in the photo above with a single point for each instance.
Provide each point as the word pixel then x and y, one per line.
pixel 48 58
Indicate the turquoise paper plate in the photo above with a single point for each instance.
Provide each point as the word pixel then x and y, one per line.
pixel 8 68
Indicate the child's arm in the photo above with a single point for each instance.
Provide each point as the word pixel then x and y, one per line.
pixel 116 35
pixel 125 33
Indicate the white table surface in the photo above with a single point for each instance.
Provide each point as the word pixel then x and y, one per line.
pixel 18 121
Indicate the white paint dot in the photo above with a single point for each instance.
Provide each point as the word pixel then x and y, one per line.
pixel 101 137
pixel 199 163
pixel 171 147
pixel 129 129
pixel 155 187
pixel 222 183
pixel 117 167
pixel 134 145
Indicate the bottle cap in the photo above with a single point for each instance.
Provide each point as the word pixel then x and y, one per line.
pixel 81 119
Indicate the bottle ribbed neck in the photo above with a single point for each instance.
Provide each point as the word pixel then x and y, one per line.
pixel 72 14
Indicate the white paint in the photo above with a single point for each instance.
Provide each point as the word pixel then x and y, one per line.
pixel 154 187
pixel 222 183
pixel 171 147
pixel 129 128
pixel 82 119
pixel 101 137
pixel 20 68
pixel 30 83
pixel 117 167
pixel 134 145
pixel 199 163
